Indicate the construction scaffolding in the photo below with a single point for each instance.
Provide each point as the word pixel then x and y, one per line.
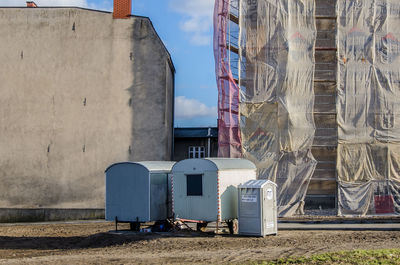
pixel 266 114
pixel 368 106
pixel 265 64
pixel 229 139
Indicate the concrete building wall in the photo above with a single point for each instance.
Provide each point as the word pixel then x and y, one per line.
pixel 79 91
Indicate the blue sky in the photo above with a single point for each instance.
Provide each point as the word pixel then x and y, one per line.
pixel 185 26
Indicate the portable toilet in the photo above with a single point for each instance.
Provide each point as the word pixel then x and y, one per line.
pixel 206 189
pixel 257 208
pixel 138 192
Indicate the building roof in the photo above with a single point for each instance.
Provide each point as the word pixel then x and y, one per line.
pixel 196 132
pixel 151 166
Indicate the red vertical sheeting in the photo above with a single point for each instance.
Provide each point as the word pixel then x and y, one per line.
pixel 229 140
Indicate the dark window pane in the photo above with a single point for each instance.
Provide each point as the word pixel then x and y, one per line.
pixel 194 185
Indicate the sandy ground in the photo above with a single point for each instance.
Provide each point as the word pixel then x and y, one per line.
pixel 91 243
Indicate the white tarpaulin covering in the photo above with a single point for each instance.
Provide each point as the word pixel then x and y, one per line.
pixel 276 45
pixel 368 107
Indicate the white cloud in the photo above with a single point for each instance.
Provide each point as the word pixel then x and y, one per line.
pixel 198 18
pixel 200 39
pixel 196 24
pixel 78 3
pixel 186 108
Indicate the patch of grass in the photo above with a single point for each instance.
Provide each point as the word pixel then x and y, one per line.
pixel 384 256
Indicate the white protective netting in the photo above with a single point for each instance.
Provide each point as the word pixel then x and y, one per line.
pixel 368 105
pixel 276 47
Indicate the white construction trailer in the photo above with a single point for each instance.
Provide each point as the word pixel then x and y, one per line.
pixel 206 190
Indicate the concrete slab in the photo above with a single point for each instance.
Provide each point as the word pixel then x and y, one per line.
pixel 14 215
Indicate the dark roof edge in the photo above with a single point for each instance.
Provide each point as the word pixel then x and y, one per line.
pixel 196 132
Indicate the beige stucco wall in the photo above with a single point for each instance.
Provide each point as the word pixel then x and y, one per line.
pixel 73 100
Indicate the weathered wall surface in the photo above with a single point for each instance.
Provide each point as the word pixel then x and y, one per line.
pixel 78 91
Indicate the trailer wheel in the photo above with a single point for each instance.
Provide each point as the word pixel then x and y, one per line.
pixel 134 226
pixel 201 227
pixel 232 226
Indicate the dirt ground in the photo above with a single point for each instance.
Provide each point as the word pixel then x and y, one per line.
pixel 91 243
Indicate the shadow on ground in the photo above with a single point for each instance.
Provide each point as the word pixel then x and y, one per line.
pixel 99 240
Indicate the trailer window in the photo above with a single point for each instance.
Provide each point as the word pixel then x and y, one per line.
pixel 194 185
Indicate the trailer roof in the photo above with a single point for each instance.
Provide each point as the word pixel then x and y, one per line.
pixel 151 166
pixel 216 163
pixel 232 163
